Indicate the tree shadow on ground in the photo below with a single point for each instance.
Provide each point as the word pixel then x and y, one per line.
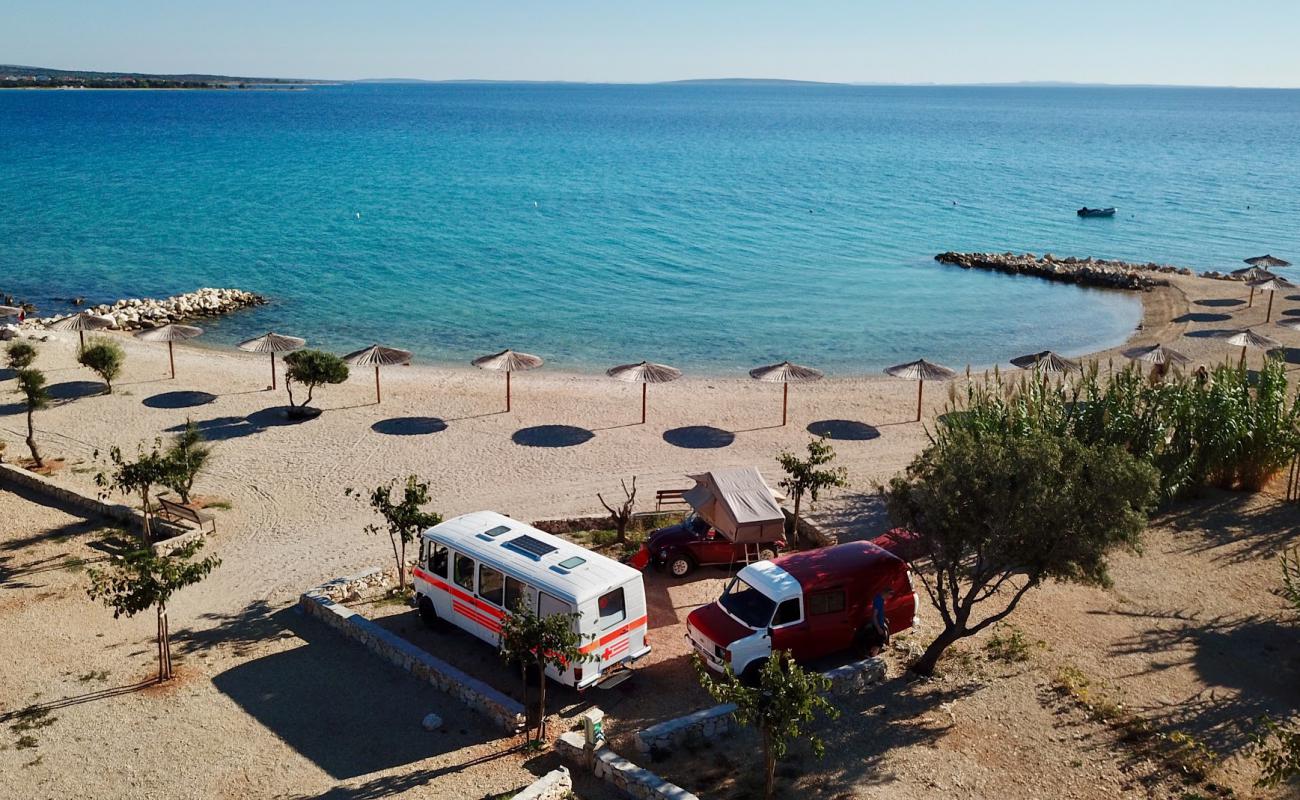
pixel 181 399
pixel 223 428
pixel 856 517
pixel 240 631
pixel 1202 316
pixel 308 697
pixel 844 430
pixel 409 426
pixel 1247 664
pixel 1220 302
pixel 551 436
pixel 394 785
pixel 1233 526
pixel 80 526
pixel 699 437
pixel 75 390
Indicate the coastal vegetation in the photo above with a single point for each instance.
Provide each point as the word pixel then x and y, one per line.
pixel 105 358
pixel 188 456
pixel 311 368
pixel 404 517
pixel 998 515
pixel 621 515
pixel 809 476
pixel 31 385
pixel 139 579
pixel 534 643
pixel 20 355
pixel 139 477
pixel 785 701
pixel 1277 743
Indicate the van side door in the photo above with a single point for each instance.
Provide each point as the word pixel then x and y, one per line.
pixel 830 620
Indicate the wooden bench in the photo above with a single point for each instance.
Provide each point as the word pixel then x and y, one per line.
pixel 670 497
pixel 175 512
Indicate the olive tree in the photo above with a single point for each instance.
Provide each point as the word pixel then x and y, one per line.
pixel 785 701
pixel 105 358
pixel 998 516
pixel 20 355
pixel 810 476
pixel 140 579
pixel 621 514
pixel 404 519
pixel 311 368
pixel 188 454
pixel 31 385
pixel 138 477
pixel 535 643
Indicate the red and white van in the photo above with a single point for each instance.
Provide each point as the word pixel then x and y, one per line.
pixel 811 604
pixel 475 567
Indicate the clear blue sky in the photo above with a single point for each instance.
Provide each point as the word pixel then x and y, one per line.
pixel 1239 42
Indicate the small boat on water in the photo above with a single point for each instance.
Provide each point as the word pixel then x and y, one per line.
pixel 1096 212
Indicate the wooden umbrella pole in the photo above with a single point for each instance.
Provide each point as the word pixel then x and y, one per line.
pixel 171 359
pixel 82 336
pixel 1251 301
pixel 643 388
pixel 1269 314
pixel 1243 356
pixel 920 387
pixel 377 395
pixel 273 371
pixel 507 391
pixel 785 400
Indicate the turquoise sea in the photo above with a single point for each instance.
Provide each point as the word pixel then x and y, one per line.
pixel 714 227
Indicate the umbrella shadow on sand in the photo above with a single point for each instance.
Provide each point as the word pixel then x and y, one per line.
pixel 1220 302
pixel 409 426
pixel 1202 316
pixel 181 399
pixel 551 436
pixel 699 437
pixel 844 430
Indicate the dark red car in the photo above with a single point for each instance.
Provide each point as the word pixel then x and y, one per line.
pixel 693 542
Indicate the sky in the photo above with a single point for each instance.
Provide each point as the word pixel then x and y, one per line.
pixel 1197 42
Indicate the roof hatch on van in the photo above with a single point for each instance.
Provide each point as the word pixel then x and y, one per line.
pixel 532 547
pixel 569 564
pixel 492 533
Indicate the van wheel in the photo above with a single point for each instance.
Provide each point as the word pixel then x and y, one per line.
pixel 766 554
pixel 681 565
pixel 428 615
pixel 750 677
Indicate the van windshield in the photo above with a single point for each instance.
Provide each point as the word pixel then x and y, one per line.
pixel 748 604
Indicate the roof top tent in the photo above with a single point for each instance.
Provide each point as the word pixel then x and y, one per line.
pixel 739 504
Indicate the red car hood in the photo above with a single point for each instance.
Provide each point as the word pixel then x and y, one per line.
pixel 717 625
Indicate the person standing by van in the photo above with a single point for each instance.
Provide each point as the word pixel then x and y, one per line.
pixel 879 617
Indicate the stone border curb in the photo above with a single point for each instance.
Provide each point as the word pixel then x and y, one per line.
pixel 554 785
pixel 617 771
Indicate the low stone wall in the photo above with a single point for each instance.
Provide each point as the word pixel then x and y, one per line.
pixel 617 771
pixel 554 785
pixel 138 313
pixel 710 723
pixel 481 698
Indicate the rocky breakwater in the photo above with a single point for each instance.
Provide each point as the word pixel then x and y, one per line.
pixel 1082 271
pixel 136 313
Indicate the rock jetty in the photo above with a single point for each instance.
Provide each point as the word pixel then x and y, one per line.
pixel 140 313
pixel 1082 271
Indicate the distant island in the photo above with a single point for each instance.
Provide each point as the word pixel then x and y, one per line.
pixel 13 76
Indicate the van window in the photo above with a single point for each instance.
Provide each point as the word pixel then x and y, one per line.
pixel 787 612
pixel 437 562
pixel 826 603
pixel 612 608
pixel 491 584
pixel 547 605
pixel 514 593
pixel 464 576
pixel 747 604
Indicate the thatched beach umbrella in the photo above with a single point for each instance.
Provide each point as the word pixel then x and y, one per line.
pixel 1271 285
pixel 1157 354
pixel 272 343
pixel 1047 362
pixel 170 333
pixel 9 311
pixel 1266 261
pixel 1250 274
pixel 785 373
pixel 1249 339
pixel 378 356
pixel 920 371
pixel 508 361
pixel 85 321
pixel 644 373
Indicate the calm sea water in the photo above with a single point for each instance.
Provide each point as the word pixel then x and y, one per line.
pixel 712 227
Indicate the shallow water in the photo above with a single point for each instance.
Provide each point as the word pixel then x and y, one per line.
pixel 713 228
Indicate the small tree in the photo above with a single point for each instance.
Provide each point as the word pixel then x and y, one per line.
pixel 136 478
pixel 786 700
pixel 998 516
pixel 404 520
pixel 31 385
pixel 808 476
pixel 622 515
pixel 536 643
pixel 312 368
pixel 105 357
pixel 141 579
pixel 187 456
pixel 20 355
pixel 1290 590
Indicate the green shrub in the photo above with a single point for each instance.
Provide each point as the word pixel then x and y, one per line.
pixel 312 368
pixel 20 355
pixel 105 357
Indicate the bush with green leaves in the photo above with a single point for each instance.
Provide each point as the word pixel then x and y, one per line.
pixel 404 519
pixel 188 454
pixel 786 700
pixel 31 385
pixel 809 476
pixel 139 477
pixel 535 643
pixel 105 358
pixel 996 516
pixel 20 354
pixel 312 368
